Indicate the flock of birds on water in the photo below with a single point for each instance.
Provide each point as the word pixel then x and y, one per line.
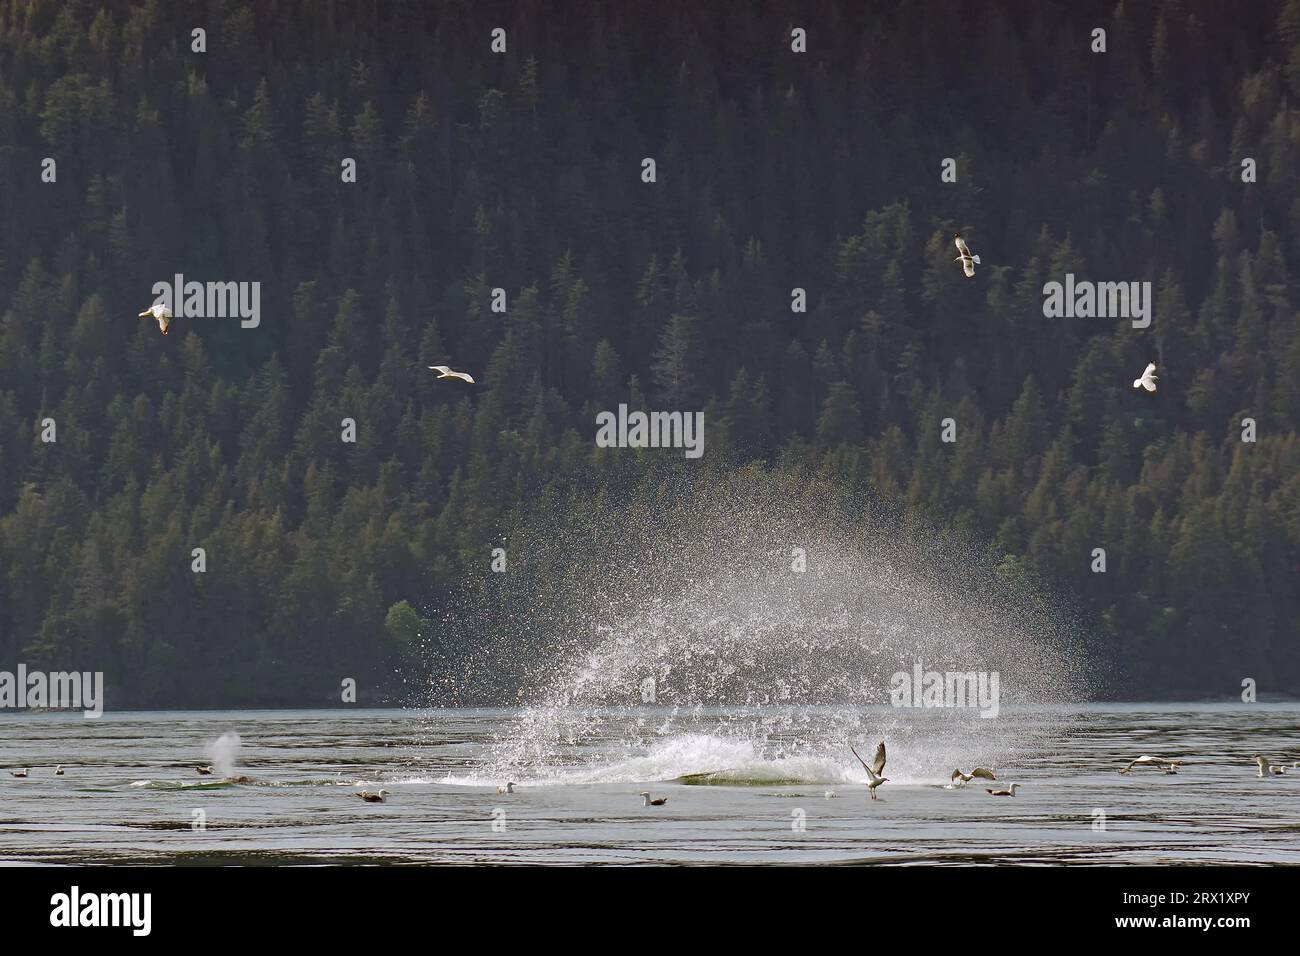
pixel 875 776
pixel 1147 380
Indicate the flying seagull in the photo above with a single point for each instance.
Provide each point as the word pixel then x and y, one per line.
pixel 965 778
pixel 1146 760
pixel 1011 792
pixel 968 262
pixel 373 796
pixel 161 314
pixel 875 769
pixel 508 787
pixel 446 372
pixel 1148 379
pixel 651 802
pixel 1266 768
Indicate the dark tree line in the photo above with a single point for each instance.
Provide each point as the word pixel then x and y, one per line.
pixel 522 171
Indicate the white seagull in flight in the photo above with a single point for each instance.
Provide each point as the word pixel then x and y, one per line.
pixel 1146 760
pixel 161 314
pixel 875 769
pixel 968 262
pixel 446 372
pixel 1148 379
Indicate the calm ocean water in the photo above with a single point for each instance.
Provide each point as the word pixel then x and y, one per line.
pixel 130 793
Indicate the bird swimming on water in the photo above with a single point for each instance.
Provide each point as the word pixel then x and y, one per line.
pixel 58 771
pixel 20 774
pixel 1010 792
pixel 875 769
pixel 652 801
pixel 204 771
pixel 507 787
pixel 373 796
pixel 1265 768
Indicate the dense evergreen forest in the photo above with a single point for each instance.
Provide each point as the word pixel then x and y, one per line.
pixel 523 170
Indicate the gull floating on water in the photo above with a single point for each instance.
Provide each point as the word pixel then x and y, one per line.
pixel 373 796
pixel 58 771
pixel 161 314
pixel 1266 768
pixel 1010 792
pixel 508 787
pixel 1148 379
pixel 829 794
pixel 968 262
pixel 446 372
pixel 875 769
pixel 19 773
pixel 204 771
pixel 652 802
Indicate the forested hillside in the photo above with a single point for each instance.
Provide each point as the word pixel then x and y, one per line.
pixel 522 170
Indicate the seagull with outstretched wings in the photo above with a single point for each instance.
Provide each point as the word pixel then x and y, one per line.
pixel 1148 379
pixel 968 261
pixel 875 770
pixel 445 371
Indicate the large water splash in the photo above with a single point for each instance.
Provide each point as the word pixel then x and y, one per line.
pixel 673 634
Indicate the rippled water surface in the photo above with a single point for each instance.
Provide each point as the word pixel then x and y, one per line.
pixel 781 791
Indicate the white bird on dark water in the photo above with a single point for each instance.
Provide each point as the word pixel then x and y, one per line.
pixel 445 371
pixel 1148 379
pixel 875 769
pixel 968 261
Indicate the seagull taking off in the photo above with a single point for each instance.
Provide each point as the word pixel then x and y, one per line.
pixel 507 787
pixel 1010 792
pixel 651 801
pixel 373 796
pixel 1265 768
pixel 1148 379
pixel 445 371
pixel 968 262
pixel 965 778
pixel 1146 760
pixel 161 314
pixel 875 769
